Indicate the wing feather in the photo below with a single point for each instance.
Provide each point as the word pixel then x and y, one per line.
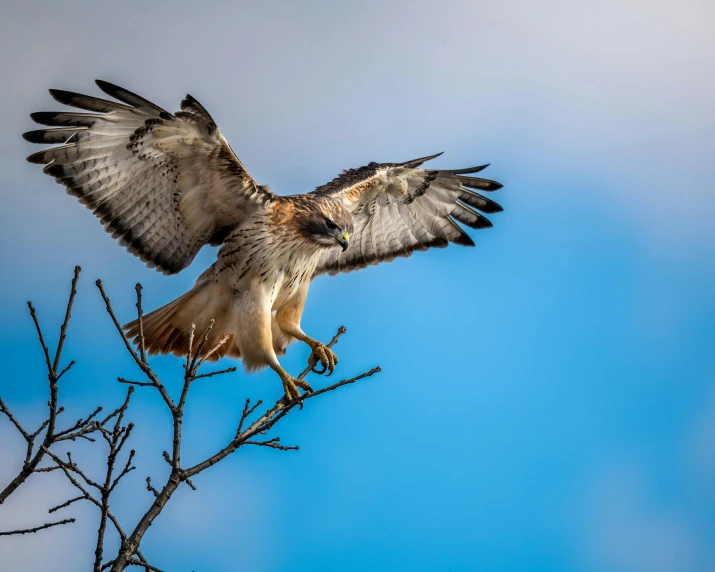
pixel 400 208
pixel 162 184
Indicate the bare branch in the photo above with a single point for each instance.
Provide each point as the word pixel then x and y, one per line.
pixel 39 335
pixel 65 323
pixel 85 425
pixel 38 528
pixel 66 503
pixel 266 421
pixel 116 439
pixel 65 370
pixel 127 469
pixel 220 372
pixel 143 564
pixel 72 466
pixel 246 413
pixel 335 386
pixel 45 423
pixel 273 444
pixel 193 366
pixel 116 434
pixel 85 493
pixel 140 319
pixel 32 461
pixel 141 363
pixel 47 469
pixel 213 350
pixel 150 488
pixel 139 383
pixel 4 409
pixel 331 343
pixel 187 367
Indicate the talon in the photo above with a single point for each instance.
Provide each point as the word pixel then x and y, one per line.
pixel 324 356
pixel 289 386
pixel 319 372
pixel 303 385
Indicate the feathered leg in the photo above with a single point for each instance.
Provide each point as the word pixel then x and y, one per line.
pixel 288 320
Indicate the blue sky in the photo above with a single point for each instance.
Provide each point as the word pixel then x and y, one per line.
pixel 547 400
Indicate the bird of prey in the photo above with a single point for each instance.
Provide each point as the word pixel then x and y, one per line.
pixel 167 184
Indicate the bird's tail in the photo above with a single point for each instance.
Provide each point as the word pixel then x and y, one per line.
pixel 167 329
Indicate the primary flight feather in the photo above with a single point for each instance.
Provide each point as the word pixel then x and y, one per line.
pixel 167 184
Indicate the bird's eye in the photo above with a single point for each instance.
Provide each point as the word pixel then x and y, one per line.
pixel 330 224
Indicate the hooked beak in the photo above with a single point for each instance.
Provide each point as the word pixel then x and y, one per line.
pixel 344 241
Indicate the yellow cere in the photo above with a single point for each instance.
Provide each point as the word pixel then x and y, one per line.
pixel 346 236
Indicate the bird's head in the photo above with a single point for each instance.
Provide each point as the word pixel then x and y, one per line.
pixel 326 222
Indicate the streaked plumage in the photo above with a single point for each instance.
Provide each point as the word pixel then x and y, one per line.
pixel 167 184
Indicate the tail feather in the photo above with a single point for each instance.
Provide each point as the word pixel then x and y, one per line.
pixel 166 330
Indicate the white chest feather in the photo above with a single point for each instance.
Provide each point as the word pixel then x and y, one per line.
pixel 256 262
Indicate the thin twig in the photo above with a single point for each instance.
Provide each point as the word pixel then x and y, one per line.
pixel 65 370
pixel 146 566
pixel 266 421
pixel 191 346
pixel 66 503
pixel 273 444
pixel 51 436
pixel 83 425
pixel 38 528
pixel 33 314
pixel 142 364
pixel 193 366
pixel 4 409
pixel 65 323
pixel 87 496
pixel 150 488
pixel 213 350
pixel 139 383
pixel 220 372
pixel 140 320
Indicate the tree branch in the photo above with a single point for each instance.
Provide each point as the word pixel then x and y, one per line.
pixel 242 437
pixel 142 363
pixel 51 436
pixel 38 528
pixel 116 436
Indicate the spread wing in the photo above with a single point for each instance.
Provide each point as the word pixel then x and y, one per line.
pixel 399 208
pixel 164 185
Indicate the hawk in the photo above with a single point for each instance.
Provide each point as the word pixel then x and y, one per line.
pixel 167 184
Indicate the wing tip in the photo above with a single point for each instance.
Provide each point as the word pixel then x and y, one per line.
pixel 60 95
pixel 36 158
pixel 464 240
pixel 468 170
pixel 41 116
pixel 32 136
pixel 104 85
pixel 417 162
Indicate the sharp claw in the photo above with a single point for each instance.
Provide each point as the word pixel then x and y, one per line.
pixel 303 385
pixel 290 387
pixel 322 356
pixel 321 372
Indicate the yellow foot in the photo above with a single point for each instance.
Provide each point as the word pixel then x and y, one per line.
pixel 291 385
pixel 325 356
